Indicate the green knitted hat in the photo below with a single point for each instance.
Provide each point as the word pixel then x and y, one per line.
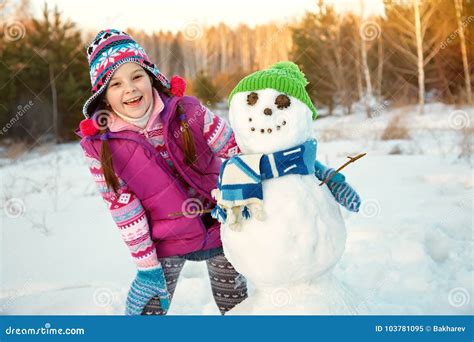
pixel 282 76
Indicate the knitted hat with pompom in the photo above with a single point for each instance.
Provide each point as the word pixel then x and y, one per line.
pixel 109 50
pixel 282 76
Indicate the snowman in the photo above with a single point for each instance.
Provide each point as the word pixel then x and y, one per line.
pixel 280 229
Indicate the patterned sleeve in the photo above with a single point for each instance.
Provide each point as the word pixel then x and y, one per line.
pixel 219 135
pixel 129 216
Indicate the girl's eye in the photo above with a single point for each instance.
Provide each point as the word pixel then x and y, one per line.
pixel 138 76
pixel 115 84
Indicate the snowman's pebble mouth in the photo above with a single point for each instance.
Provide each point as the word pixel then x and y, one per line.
pixel 268 130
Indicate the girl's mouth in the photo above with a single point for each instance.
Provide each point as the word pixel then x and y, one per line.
pixel 133 102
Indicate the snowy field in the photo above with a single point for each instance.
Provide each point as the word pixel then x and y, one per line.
pixel 409 250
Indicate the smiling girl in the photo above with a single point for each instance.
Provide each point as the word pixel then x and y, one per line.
pixel 153 153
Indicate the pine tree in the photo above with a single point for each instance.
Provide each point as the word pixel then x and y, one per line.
pixel 48 67
pixel 205 90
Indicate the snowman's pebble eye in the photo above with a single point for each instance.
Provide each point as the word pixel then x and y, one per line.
pixel 250 119
pixel 252 98
pixel 282 101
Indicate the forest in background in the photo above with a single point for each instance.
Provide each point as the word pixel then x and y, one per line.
pixel 418 51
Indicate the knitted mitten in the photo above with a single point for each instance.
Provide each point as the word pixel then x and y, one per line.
pixel 322 172
pixel 147 284
pixel 343 193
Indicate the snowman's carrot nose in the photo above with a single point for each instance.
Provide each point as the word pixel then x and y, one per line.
pixel 351 160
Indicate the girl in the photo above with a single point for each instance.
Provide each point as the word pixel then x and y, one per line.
pixel 154 154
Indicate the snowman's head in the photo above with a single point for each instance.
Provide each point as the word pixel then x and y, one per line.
pixel 270 110
pixel 267 120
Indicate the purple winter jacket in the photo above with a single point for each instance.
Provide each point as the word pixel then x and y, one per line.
pixel 142 168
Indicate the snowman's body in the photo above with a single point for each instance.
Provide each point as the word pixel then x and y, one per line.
pixel 286 256
pixel 286 259
pixel 302 235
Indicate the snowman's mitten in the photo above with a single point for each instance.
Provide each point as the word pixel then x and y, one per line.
pixel 147 284
pixel 343 193
pixel 322 172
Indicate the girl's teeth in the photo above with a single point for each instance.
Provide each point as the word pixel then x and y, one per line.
pixel 133 101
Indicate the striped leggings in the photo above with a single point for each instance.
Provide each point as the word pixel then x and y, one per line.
pixel 229 288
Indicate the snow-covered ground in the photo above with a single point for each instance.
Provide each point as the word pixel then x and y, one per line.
pixel 409 250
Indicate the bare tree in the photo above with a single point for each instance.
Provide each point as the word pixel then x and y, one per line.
pixel 365 65
pixel 419 53
pixel 418 48
pixel 467 76
pixel 380 59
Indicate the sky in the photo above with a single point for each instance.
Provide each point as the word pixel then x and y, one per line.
pixel 183 14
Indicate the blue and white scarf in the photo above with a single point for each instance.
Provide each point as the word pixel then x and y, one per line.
pixel 240 191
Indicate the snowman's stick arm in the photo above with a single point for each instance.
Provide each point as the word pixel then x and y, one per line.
pixel 351 160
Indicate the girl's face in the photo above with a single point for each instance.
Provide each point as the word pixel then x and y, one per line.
pixel 129 91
